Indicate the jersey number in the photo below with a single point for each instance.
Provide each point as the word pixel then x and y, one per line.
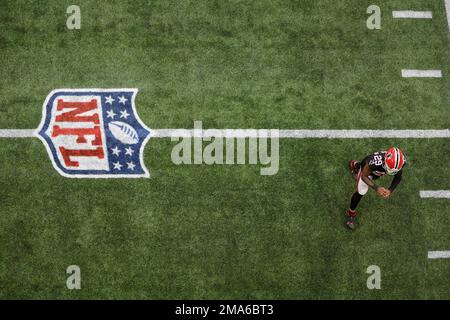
pixel 377 160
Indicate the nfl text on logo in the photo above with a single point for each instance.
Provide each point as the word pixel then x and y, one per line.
pixel 94 133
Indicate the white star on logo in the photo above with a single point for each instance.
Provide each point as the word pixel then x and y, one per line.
pixel 116 151
pixel 117 165
pixel 122 99
pixel 110 114
pixel 109 100
pixel 129 151
pixel 131 165
pixel 124 114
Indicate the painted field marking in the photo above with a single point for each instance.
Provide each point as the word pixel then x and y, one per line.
pixel 302 134
pixel 17 133
pixel 409 14
pixel 249 133
pixel 407 73
pixel 438 254
pixel 438 194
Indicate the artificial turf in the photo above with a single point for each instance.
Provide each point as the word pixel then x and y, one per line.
pixel 226 232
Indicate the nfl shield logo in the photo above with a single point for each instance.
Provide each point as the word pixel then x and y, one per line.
pixel 94 133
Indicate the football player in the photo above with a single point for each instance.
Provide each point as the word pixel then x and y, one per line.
pixel 371 168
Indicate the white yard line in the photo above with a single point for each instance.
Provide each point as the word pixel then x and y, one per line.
pixel 17 133
pixel 447 10
pixel 438 254
pixel 407 73
pixel 301 134
pixel 247 133
pixel 439 194
pixel 409 14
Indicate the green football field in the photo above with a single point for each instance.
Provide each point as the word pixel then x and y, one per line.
pixel 226 231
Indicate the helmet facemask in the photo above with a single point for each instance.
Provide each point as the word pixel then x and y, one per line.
pixel 391 172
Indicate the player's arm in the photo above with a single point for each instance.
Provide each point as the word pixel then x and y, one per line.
pixel 396 181
pixel 365 177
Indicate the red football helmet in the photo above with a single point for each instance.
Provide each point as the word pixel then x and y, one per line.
pixel 394 161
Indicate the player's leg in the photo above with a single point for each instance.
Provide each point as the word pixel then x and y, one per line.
pixel 353 204
pixel 362 189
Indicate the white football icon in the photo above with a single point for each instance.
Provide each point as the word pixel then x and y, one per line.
pixel 123 132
